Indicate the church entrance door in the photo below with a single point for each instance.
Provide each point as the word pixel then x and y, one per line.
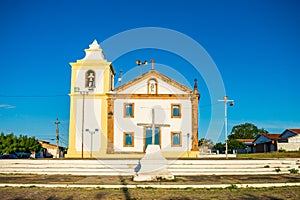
pixel 148 136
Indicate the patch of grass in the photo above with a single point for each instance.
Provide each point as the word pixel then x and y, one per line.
pixel 270 155
pixel 294 171
pixel 139 193
pixel 173 180
pixel 149 188
pixel 232 186
pixel 145 188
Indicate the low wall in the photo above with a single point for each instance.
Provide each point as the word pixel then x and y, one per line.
pixel 289 146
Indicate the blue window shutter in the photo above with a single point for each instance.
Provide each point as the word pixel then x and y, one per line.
pixel 128 139
pixel 176 139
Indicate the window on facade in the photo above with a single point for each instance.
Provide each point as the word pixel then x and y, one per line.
pixel 175 111
pixel 90 79
pixel 129 110
pixel 128 139
pixel 176 138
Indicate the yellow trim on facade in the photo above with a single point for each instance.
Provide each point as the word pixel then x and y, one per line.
pixel 90 64
pixel 74 97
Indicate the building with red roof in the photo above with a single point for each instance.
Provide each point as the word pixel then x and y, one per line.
pixel 289 140
pixel 266 143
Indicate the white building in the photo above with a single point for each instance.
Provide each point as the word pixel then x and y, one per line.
pixel 290 140
pixel 109 122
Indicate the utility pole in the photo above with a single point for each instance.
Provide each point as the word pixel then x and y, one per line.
pixel 83 93
pixel 226 100
pixel 57 137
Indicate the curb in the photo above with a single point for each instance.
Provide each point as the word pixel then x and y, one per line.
pixel 254 185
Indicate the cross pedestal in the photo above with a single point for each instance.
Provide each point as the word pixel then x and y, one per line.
pixel 153 166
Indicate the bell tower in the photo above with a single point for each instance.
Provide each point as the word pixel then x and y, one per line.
pixel 92 79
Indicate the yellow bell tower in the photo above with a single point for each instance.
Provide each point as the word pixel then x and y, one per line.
pixel 91 82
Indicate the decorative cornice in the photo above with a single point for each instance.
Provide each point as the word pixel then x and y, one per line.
pixel 153 73
pixel 152 96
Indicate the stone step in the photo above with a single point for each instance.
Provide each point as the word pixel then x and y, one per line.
pixel 230 162
pixel 75 173
pixel 66 171
pixel 127 167
pixel 223 173
pixel 67 166
pixel 88 162
pixel 231 166
pixel 229 170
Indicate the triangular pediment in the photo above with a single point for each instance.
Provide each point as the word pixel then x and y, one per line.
pixel 153 82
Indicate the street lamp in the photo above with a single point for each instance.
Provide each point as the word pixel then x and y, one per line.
pixel 188 142
pixel 120 78
pixel 83 93
pixel 92 133
pixel 231 103
pixel 139 63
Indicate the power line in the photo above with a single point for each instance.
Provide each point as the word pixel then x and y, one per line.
pixel 209 105
pixel 183 107
pixel 32 96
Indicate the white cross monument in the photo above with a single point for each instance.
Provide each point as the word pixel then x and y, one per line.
pixel 153 164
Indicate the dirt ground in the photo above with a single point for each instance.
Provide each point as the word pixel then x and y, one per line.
pixel 127 180
pixel 33 192
pixel 10 193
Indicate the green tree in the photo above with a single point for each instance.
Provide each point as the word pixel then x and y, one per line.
pixel 10 143
pixel 245 131
pixel 206 142
pixel 235 144
pixel 219 145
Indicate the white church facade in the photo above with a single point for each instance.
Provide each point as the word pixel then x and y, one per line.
pixel 120 122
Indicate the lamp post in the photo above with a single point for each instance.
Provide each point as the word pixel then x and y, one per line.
pixel 83 93
pixel 188 146
pixel 139 63
pixel 92 133
pixel 231 103
pixel 120 78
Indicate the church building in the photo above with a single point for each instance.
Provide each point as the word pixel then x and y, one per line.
pixel 108 122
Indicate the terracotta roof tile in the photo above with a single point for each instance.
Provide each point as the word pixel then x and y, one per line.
pixel 272 136
pixel 295 130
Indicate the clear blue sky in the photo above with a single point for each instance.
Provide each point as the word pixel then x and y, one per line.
pixel 254 43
